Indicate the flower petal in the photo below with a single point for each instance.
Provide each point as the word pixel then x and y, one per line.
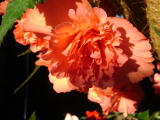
pixel 137 47
pixel 61 85
pixel 45 17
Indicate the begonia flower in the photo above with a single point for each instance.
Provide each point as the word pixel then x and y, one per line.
pixel 37 41
pixel 94 115
pixel 3 6
pixel 71 117
pixel 87 47
pixel 122 98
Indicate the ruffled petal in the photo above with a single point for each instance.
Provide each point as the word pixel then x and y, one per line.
pixel 35 22
pixel 37 41
pixel 137 47
pixel 61 85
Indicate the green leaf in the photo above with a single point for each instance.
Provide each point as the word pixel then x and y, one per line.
pixel 83 118
pixel 24 53
pixel 113 114
pixel 155 116
pixel 14 11
pixel 158 33
pixel 110 116
pixel 33 116
pixel 143 115
pixel 29 77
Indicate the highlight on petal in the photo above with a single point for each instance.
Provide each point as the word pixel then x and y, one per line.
pixel 123 98
pixel 71 117
pixel 156 78
pixel 61 85
pixel 101 14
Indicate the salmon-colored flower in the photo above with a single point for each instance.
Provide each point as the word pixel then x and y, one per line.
pixel 86 46
pixel 3 6
pixel 94 115
pixel 122 98
pixel 37 41
pixel 71 117
pixel 93 48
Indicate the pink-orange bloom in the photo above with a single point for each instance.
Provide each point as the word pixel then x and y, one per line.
pixel 71 117
pixel 122 98
pixel 156 80
pixel 94 115
pixel 87 47
pixel 37 41
pixel 3 6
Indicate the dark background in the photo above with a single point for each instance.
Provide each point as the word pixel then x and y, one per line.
pixel 38 95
